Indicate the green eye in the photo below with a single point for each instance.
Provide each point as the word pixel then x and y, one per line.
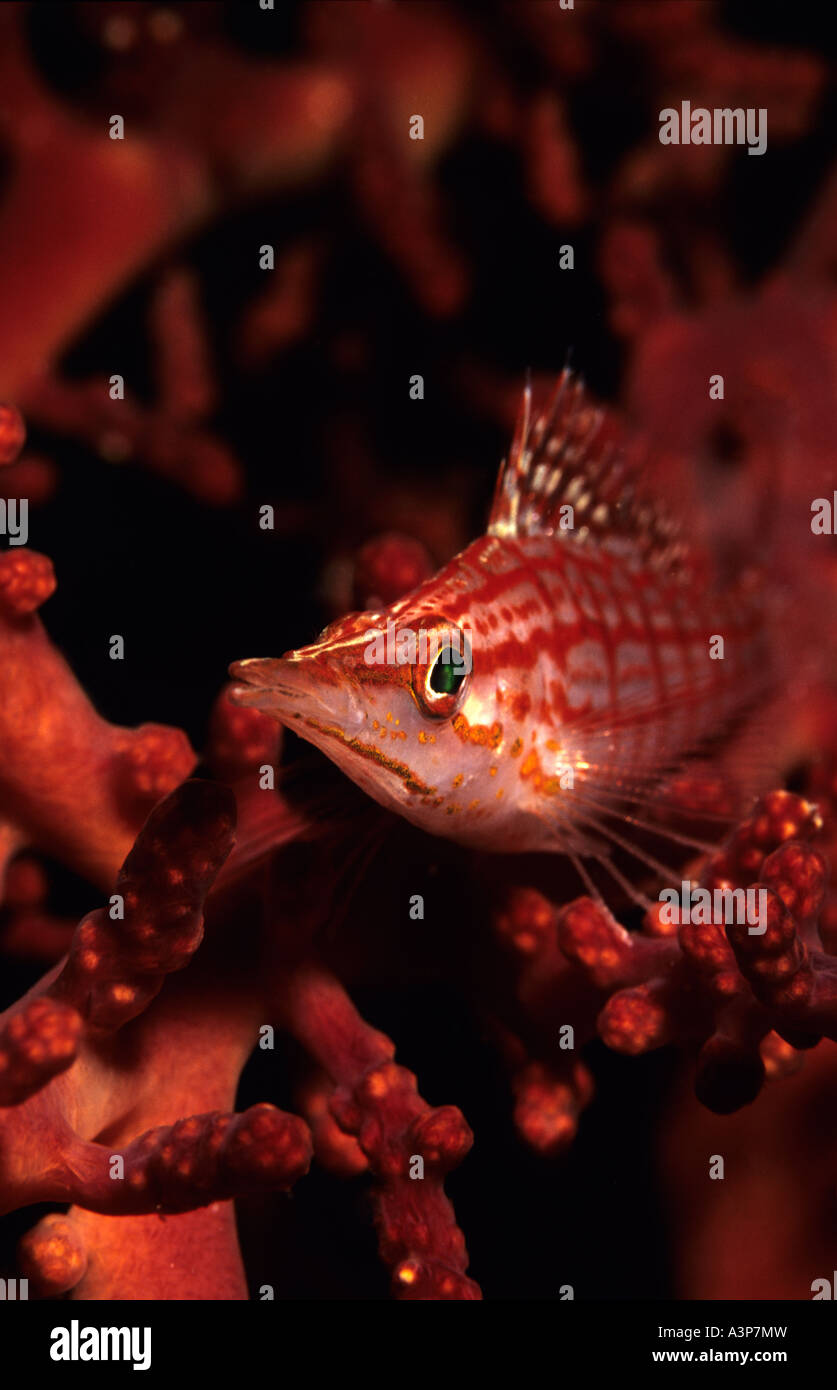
pixel 445 680
pixel 446 675
pixel 439 682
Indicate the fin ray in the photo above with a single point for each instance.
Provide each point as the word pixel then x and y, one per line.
pixel 570 454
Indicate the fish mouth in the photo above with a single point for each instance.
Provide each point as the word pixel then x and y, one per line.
pixel 260 673
pixel 289 689
pixel 331 714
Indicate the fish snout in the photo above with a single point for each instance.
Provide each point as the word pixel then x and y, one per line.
pixel 263 683
pixel 289 688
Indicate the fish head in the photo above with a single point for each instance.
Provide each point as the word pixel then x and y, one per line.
pixel 406 702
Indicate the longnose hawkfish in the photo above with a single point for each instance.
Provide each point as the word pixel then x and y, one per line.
pixel 532 694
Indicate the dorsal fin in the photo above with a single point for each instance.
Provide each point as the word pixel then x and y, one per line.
pixel 571 454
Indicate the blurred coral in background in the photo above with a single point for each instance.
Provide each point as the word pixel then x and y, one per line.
pixel 248 388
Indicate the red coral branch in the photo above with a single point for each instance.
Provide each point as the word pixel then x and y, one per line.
pixel 377 1101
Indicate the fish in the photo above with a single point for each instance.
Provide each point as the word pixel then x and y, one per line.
pixel 534 694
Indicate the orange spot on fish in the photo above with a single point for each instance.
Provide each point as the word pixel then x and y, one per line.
pixel 477 733
pixel 530 764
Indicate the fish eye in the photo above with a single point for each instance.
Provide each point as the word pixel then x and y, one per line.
pixel 439 685
pixel 444 678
